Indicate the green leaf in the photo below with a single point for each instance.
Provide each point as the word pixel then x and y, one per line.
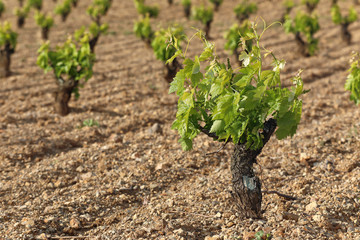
pixel 245 58
pixel 186 144
pixel 218 126
pixel 177 85
pixel 177 53
pixel 259 235
pixel 287 123
pixel 206 54
pixel 196 66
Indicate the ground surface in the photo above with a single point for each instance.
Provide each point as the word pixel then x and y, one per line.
pixel 129 179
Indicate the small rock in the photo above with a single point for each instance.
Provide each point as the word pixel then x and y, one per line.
pixel 154 129
pixel 170 202
pixel 248 235
pixel 179 231
pixel 28 222
pixel 304 157
pixel 23 207
pixel 42 236
pixel 101 166
pixel 48 209
pixel 86 176
pixel 75 223
pixel 153 186
pixel 218 215
pixel 215 237
pixel 159 224
pixel 311 206
pixel 230 224
pixel 58 183
pixel 317 218
pixel 80 169
pixel 280 232
pixel 110 191
pixel 49 219
pixel 290 216
pixel 162 165
pixel 115 138
pixel 279 217
pixel 140 233
pixel 104 148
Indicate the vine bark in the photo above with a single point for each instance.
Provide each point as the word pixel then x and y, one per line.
pixel 246 185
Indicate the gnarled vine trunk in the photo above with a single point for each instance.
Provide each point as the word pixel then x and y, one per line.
pixel 45 33
pixel 246 185
pixel 345 34
pixel 62 96
pixel 171 70
pixel 187 10
pixel 64 17
pixel 310 7
pixel 20 22
pixel 207 29
pixel 237 56
pixel 5 60
pixel 242 17
pixel 302 45
pixel 93 43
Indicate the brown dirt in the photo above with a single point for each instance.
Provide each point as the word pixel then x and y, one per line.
pixel 129 178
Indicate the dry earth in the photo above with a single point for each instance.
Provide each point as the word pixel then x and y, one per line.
pixel 129 179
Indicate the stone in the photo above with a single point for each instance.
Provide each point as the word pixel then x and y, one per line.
pixel 156 128
pixel 304 157
pixel 116 138
pixel 230 224
pixel 290 216
pixel 179 231
pixel 215 237
pixel 28 222
pixel 170 202
pixel 75 223
pixel 86 176
pixel 162 165
pixel 311 206
pixel 317 218
pixel 42 236
pixel 248 235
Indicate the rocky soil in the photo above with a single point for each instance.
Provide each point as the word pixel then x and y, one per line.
pixel 128 177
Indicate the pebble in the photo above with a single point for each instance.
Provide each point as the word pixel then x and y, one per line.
pixel 42 236
pixel 311 206
pixel 230 224
pixel 86 176
pixel 156 128
pixel 290 216
pixel 153 186
pixel 162 165
pixel 215 237
pixel 304 157
pixel 179 231
pixel 317 218
pixel 28 222
pixel 170 202
pixel 115 138
pixel 75 223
